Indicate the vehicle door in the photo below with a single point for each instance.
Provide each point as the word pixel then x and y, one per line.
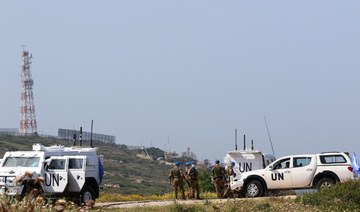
pixel 279 174
pixel 234 182
pixel 56 174
pixel 77 168
pixel 304 168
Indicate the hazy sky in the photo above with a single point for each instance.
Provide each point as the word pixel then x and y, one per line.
pixel 189 72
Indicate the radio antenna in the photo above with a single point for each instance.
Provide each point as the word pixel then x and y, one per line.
pixel 236 148
pixel 268 132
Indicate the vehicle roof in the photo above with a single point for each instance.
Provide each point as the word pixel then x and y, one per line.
pixel 310 155
pixel 244 152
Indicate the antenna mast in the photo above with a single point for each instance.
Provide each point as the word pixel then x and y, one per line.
pixel 28 123
pixel 236 147
pixel 267 128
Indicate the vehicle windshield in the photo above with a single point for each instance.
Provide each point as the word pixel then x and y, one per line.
pixel 22 162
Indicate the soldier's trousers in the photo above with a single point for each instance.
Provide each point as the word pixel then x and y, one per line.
pixel 194 183
pixel 227 191
pixel 178 183
pixel 219 187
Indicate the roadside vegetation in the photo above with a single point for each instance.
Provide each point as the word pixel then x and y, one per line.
pixel 341 197
pixel 229 206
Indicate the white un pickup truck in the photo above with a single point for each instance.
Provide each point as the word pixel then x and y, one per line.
pixel 295 172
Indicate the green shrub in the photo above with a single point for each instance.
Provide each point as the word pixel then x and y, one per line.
pixel 263 206
pixel 186 208
pixel 205 183
pixel 342 196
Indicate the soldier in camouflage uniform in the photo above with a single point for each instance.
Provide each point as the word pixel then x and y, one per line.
pixel 176 177
pixel 229 172
pixel 218 173
pixel 194 181
pixel 187 179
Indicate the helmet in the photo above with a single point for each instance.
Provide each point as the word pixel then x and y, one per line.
pixel 217 161
pixel 187 163
pixel 177 163
pixel 232 163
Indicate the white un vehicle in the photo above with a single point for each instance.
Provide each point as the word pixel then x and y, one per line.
pixel 74 172
pixel 295 172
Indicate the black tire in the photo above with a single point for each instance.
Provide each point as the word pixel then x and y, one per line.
pixel 87 193
pixel 241 194
pixel 254 189
pixel 325 183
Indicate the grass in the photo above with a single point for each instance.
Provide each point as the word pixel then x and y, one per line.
pixel 227 206
pixel 341 197
pixel 110 197
pixel 11 204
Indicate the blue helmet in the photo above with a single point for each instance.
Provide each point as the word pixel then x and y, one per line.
pixel 177 163
pixel 217 161
pixel 232 163
pixel 187 163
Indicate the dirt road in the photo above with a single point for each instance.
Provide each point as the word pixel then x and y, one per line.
pixel 133 204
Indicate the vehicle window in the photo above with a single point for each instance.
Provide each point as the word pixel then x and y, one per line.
pixel 301 161
pixel 22 162
pixel 282 164
pixel 329 159
pixel 75 163
pixel 57 164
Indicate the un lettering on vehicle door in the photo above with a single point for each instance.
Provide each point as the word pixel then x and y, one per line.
pixel 56 174
pixel 279 176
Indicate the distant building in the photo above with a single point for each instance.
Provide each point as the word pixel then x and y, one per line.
pixel 9 131
pixel 171 155
pixel 188 154
pixel 69 134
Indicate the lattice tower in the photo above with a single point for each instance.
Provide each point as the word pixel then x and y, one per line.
pixel 27 110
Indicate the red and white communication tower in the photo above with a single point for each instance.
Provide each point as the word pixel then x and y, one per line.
pixel 27 110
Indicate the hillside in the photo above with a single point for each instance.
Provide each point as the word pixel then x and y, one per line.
pixel 125 171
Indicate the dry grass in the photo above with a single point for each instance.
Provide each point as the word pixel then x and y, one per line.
pixel 109 197
pixel 276 204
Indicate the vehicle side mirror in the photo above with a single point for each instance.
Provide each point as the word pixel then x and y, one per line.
pixel 46 164
pixel 270 167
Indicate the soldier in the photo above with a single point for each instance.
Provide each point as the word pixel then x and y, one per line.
pixel 176 177
pixel 194 180
pixel 218 173
pixel 229 172
pixel 187 179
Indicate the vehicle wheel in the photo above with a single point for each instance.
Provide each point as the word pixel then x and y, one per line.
pixel 325 183
pixel 254 189
pixel 87 194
